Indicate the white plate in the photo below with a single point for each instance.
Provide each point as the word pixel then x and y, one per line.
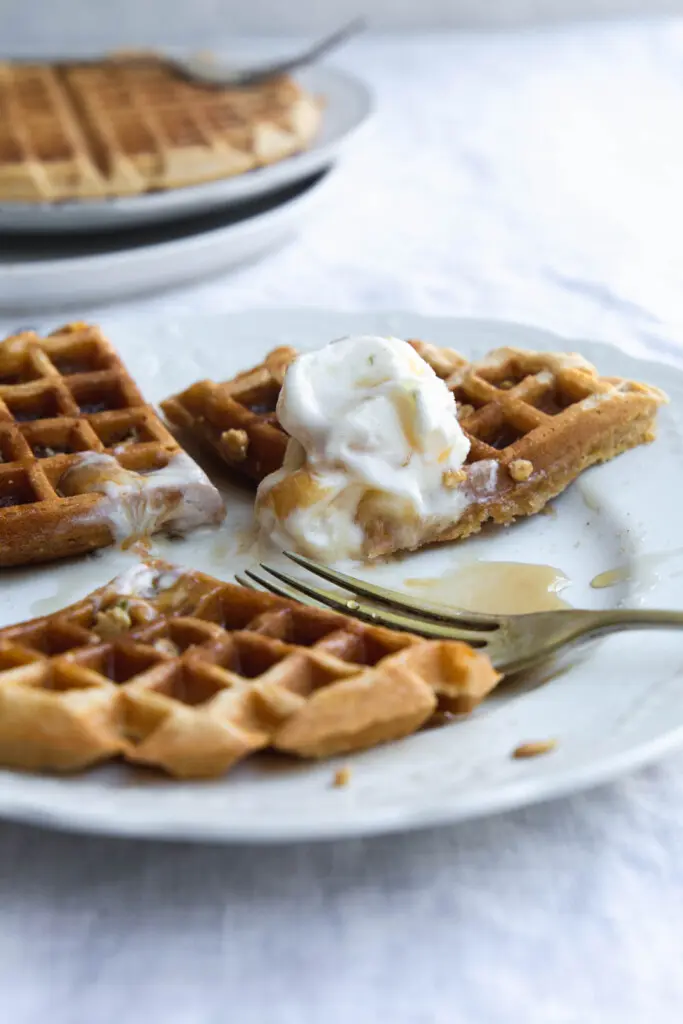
pixel 347 106
pixel 70 271
pixel 619 706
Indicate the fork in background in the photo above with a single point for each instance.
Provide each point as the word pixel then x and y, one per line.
pixel 205 70
pixel 512 642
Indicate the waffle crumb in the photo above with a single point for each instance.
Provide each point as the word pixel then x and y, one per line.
pixel 113 621
pixel 167 647
pixel 453 477
pixel 533 749
pixel 236 443
pixel 520 470
pixel 342 777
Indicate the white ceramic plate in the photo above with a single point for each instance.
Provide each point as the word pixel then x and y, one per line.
pixel 71 271
pixel 619 706
pixel 347 107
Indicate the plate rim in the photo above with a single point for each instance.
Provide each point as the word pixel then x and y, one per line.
pixel 511 795
pixel 104 261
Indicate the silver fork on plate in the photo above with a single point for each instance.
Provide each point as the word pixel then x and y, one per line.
pixel 512 642
pixel 204 69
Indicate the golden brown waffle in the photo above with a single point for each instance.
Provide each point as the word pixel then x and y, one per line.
pixel 237 418
pixel 181 671
pixel 83 460
pixel 535 420
pixel 120 128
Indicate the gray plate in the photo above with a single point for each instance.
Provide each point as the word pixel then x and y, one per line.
pixel 347 106
pixel 69 271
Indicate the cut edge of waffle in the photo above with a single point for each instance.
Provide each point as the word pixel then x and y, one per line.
pixel 117 128
pixel 535 421
pixel 84 460
pixel 237 418
pixel 177 670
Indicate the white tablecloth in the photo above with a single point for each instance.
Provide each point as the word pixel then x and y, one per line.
pixel 531 177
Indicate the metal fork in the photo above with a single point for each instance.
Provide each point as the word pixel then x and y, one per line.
pixel 512 642
pixel 204 69
pixel 212 74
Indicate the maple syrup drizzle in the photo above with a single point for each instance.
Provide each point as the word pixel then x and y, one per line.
pixel 505 588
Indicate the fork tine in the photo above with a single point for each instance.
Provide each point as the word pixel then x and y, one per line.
pixel 273 587
pixel 374 614
pixel 244 583
pixel 473 620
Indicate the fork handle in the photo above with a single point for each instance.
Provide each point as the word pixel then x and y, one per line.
pixel 323 46
pixel 632 618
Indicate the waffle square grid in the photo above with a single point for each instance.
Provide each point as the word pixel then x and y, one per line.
pixel 534 420
pixel 181 671
pixel 61 397
pixel 121 128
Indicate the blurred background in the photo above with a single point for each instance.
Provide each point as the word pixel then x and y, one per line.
pixel 524 161
pixel 38 23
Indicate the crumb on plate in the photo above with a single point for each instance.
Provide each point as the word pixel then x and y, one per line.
pixel 534 748
pixel 342 777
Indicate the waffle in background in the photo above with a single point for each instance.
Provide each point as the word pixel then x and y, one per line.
pixel 117 128
pixel 84 460
pixel 535 421
pixel 181 671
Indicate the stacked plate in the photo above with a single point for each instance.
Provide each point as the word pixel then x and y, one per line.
pixel 96 250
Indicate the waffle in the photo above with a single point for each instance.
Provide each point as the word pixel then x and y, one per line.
pixel 535 421
pixel 84 461
pixel 237 418
pixel 119 128
pixel 180 671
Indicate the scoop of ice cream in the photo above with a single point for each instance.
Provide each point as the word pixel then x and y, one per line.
pixel 374 437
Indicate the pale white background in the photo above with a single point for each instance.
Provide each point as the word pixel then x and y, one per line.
pixel 531 176
pixel 56 23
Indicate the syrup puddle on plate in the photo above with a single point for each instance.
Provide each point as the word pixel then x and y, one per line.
pixel 504 588
pixel 611 577
pixel 646 570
